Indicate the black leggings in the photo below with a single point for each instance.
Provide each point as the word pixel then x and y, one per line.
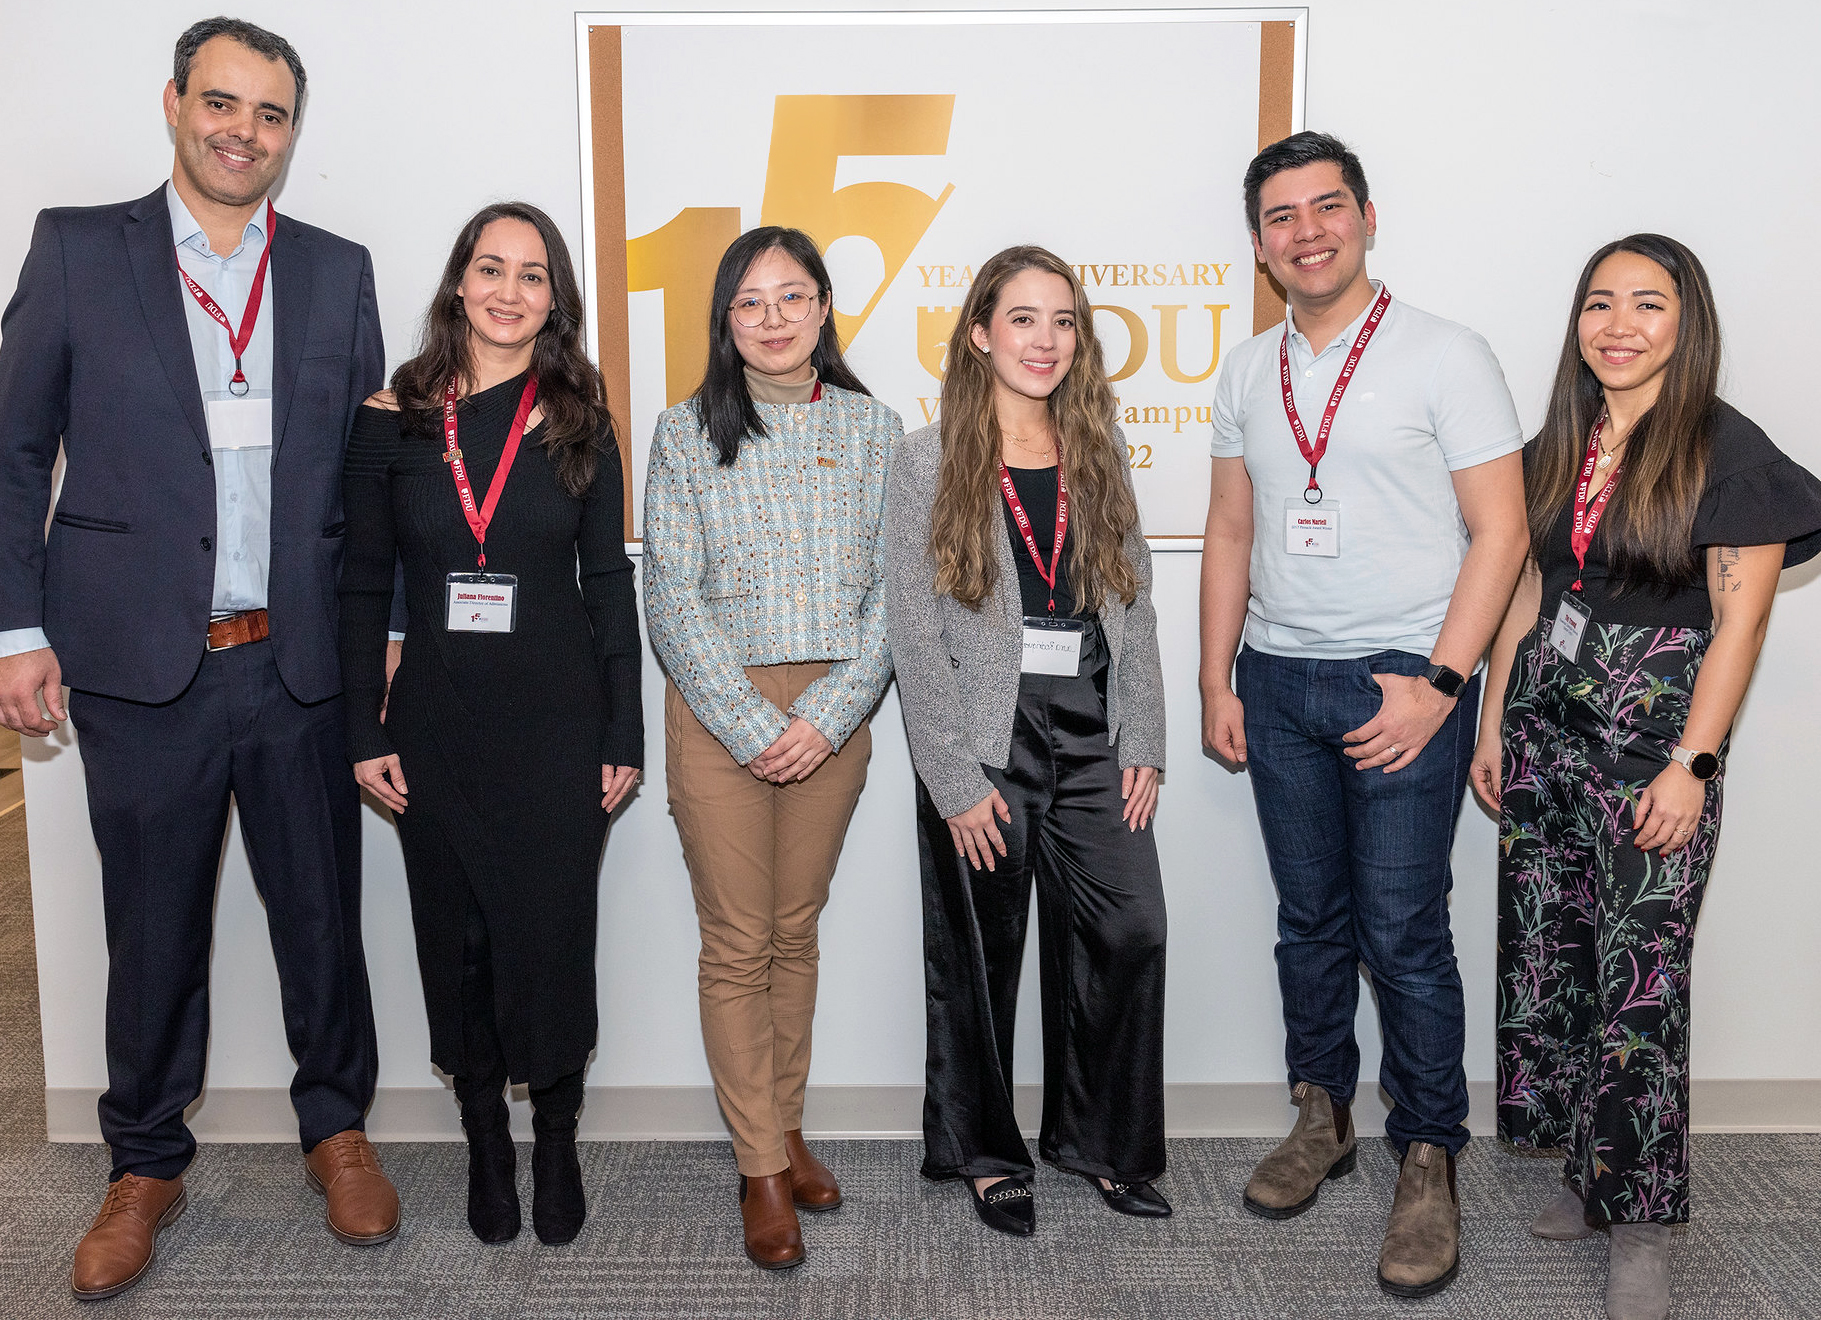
pixel 555 1106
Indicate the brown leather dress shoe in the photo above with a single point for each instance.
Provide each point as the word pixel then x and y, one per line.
pixel 362 1205
pixel 118 1248
pixel 774 1240
pixel 812 1186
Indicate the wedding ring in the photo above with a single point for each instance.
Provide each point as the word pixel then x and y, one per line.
pixel 1394 751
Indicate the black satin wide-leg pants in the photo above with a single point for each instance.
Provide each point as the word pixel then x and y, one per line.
pixel 1100 931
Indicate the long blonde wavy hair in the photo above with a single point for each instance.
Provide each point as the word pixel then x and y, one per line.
pixel 965 521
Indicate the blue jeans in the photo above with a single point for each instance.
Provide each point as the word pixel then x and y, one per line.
pixel 1360 859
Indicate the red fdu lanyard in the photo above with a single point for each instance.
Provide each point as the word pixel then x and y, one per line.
pixel 250 317
pixel 1314 452
pixel 1023 520
pixel 478 518
pixel 1586 519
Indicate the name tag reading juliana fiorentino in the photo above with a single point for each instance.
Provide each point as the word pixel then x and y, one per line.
pixel 482 602
pixel 1053 646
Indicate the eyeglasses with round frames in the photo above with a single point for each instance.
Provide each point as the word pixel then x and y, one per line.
pixel 750 311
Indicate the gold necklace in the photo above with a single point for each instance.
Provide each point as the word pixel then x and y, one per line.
pixel 1044 452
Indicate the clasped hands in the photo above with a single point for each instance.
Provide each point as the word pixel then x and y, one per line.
pixel 794 756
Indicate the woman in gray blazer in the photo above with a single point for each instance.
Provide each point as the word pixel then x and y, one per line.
pixel 1025 642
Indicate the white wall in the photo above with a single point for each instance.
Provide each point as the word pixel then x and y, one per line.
pixel 1503 142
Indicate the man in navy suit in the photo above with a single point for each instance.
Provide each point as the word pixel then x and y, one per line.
pixel 199 358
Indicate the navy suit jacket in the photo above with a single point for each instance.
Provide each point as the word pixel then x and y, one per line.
pixel 96 354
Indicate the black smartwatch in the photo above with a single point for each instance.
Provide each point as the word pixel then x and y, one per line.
pixel 1445 680
pixel 1702 765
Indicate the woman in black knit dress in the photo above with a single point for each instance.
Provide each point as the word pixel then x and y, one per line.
pixel 512 727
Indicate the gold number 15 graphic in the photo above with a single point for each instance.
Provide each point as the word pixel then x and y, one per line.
pixel 809 135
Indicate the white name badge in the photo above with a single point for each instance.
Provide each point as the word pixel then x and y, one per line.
pixel 1571 620
pixel 1312 529
pixel 238 421
pixel 1053 646
pixel 482 602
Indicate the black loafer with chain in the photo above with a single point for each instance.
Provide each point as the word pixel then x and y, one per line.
pixel 1138 1199
pixel 1007 1205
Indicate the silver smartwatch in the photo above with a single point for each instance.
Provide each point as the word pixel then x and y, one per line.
pixel 1702 765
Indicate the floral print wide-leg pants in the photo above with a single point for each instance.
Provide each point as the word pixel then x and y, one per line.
pixel 1595 935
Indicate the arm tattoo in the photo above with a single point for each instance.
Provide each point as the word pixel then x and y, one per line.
pixel 1729 560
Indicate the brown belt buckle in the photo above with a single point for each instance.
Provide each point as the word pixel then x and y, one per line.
pixel 237 630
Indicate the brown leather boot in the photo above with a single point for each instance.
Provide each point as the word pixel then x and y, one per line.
pixel 118 1248
pixel 774 1240
pixel 1321 1146
pixel 362 1207
pixel 1422 1251
pixel 812 1186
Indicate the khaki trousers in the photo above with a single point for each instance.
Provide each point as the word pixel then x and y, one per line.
pixel 760 856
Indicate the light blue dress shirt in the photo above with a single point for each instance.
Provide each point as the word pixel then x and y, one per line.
pixel 243 477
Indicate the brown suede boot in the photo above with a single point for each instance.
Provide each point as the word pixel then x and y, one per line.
pixel 1422 1251
pixel 118 1247
pixel 774 1241
pixel 1321 1146
pixel 812 1186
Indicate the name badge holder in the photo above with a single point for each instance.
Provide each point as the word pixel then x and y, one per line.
pixel 1312 523
pixel 238 421
pixel 1053 646
pixel 1572 614
pixel 482 602
pixel 239 417
pixel 1312 529
pixel 1571 620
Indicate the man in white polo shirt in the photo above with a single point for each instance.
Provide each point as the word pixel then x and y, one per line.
pixel 1365 529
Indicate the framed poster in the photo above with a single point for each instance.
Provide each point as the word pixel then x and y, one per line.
pixel 911 147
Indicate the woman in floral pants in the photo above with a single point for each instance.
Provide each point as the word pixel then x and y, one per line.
pixel 1659 518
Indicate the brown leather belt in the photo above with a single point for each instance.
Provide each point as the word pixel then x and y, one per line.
pixel 238 629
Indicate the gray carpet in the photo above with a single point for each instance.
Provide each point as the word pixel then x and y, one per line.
pixel 663 1236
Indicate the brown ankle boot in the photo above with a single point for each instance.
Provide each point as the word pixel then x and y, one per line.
pixel 1422 1251
pixel 774 1241
pixel 1321 1146
pixel 812 1186
pixel 118 1249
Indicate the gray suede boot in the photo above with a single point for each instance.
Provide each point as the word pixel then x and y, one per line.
pixel 1564 1219
pixel 1422 1251
pixel 1637 1273
pixel 1321 1146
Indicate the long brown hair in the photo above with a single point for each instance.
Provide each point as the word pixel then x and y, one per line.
pixel 965 522
pixel 577 426
pixel 1649 523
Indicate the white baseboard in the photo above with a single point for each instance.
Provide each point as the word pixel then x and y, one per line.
pixel 689 1113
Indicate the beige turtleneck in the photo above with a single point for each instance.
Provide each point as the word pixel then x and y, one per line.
pixel 769 389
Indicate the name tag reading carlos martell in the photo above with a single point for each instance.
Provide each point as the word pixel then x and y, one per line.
pixel 1053 646
pixel 482 602
pixel 1312 529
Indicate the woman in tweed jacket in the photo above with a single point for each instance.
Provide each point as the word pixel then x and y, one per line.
pixel 1027 663
pixel 764 597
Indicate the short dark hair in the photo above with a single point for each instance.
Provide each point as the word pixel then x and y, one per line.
pixel 1294 152
pixel 254 38
pixel 723 404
